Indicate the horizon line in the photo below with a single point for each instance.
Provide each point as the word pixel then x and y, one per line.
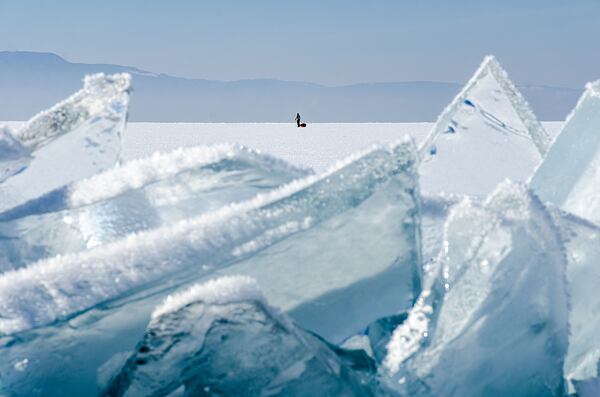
pixel 159 74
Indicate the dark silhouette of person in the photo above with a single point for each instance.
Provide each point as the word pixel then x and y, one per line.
pixel 297 119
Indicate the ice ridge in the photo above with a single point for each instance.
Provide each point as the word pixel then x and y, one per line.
pixel 59 287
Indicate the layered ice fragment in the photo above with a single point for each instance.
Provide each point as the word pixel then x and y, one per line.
pixel 582 241
pixel 221 338
pixel 461 156
pixel 72 140
pixel 14 157
pixel 495 319
pixel 140 195
pixel 434 213
pixel 322 246
pixel 570 173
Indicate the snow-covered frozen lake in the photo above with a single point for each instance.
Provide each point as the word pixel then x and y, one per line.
pixel 318 145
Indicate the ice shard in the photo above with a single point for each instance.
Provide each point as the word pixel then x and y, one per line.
pixel 460 154
pixel 221 338
pixel 14 157
pixel 569 175
pixel 434 213
pixel 355 226
pixel 139 195
pixel 72 140
pixel 495 319
pixel 337 265
pixel 582 242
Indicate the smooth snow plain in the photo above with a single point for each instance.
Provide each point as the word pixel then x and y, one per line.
pixel 317 146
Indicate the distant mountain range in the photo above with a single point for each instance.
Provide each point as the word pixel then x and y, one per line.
pixel 30 82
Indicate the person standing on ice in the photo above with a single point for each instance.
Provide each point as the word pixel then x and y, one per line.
pixel 297 118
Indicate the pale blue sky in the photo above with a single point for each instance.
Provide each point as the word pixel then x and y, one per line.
pixel 331 42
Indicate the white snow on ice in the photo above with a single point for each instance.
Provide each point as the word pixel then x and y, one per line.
pixel 139 172
pixel 220 291
pixel 61 286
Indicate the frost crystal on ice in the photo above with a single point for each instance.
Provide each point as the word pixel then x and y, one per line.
pixel 72 140
pixel 222 338
pixel 489 111
pixel 355 226
pixel 570 174
pixel 494 321
pixel 379 333
pixel 141 194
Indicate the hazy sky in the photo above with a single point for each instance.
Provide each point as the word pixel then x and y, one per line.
pixel 547 42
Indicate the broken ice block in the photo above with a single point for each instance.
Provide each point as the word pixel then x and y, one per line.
pixel 222 338
pixel 570 174
pixel 142 194
pixel 320 245
pixel 488 113
pixel 72 140
pixel 14 157
pixel 582 243
pixel 495 320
